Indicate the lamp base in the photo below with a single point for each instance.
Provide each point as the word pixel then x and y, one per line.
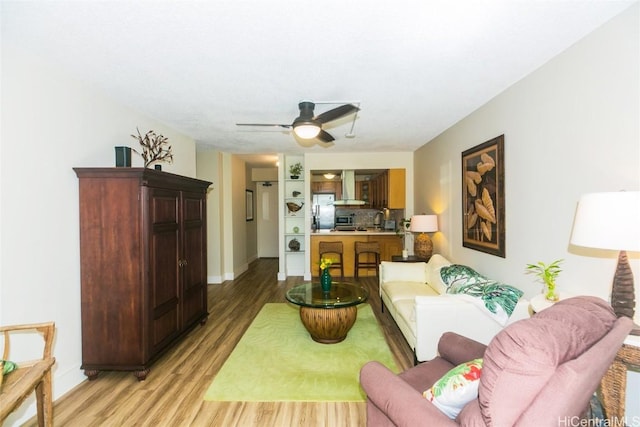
pixel 623 298
pixel 423 246
pixel 622 290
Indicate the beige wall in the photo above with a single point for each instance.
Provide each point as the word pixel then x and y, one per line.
pixel 571 127
pixel 51 123
pixel 209 164
pixel 251 226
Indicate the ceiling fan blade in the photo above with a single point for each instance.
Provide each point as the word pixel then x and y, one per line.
pixel 324 136
pixel 336 113
pixel 325 144
pixel 264 124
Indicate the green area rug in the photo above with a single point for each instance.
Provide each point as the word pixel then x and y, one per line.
pixel 276 360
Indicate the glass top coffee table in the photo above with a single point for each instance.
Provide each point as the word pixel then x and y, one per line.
pixel 328 316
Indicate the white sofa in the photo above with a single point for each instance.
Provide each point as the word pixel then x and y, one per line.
pixel 416 298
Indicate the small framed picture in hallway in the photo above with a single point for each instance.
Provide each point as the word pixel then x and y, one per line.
pixel 249 205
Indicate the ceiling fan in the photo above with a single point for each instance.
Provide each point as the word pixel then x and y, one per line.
pixel 308 126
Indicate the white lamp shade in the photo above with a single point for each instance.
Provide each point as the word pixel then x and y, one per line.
pixel 424 223
pixel 608 221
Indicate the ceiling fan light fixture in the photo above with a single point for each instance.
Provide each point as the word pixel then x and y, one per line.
pixel 306 130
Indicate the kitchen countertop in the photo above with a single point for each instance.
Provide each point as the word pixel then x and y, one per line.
pixel 369 231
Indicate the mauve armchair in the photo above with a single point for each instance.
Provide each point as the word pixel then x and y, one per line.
pixel 540 371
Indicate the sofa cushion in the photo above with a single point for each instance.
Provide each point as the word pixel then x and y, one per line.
pixel 436 262
pixel 405 318
pixel 456 388
pixel 522 358
pixel 406 290
pixel 404 272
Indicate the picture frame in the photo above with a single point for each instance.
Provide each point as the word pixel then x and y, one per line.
pixel 483 205
pixel 249 205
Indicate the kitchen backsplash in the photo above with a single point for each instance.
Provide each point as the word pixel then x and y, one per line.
pixel 366 217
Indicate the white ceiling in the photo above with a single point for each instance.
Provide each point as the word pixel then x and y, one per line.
pixel 416 67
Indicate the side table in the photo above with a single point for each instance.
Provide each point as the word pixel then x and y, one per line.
pixel 410 258
pixel 613 386
pixel 539 302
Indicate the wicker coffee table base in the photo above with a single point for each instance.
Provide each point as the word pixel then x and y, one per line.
pixel 328 325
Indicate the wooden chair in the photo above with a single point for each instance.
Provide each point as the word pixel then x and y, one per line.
pixel 333 249
pixel 368 249
pixel 29 376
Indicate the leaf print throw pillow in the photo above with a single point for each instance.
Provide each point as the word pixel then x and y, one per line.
pixel 499 300
pixel 456 388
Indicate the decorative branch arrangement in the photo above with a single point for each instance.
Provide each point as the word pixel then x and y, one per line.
pixel 153 148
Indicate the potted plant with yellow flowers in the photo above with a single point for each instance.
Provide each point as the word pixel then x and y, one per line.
pixel 325 277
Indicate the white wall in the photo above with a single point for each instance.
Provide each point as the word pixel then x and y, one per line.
pixel 50 124
pixel 572 127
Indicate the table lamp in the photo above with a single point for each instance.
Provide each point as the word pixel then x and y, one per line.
pixel 422 224
pixel 612 221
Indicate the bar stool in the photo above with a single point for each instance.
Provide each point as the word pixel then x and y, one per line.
pixel 332 248
pixel 367 248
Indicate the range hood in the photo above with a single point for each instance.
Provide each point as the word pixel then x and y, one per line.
pixel 348 190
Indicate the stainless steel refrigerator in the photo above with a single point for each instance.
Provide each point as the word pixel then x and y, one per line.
pixel 324 211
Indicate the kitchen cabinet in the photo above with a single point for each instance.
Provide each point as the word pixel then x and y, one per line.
pixel 396 189
pixel 362 192
pixel 388 189
pixel 143 265
pixel 390 245
pixel 327 187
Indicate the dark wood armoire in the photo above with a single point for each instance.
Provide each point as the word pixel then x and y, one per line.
pixel 143 260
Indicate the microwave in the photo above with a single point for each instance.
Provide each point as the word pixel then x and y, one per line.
pixel 342 220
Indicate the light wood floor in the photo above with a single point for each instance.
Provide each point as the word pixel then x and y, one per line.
pixel 172 394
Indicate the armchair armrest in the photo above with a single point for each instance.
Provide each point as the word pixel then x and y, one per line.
pixel 457 349
pixel 400 402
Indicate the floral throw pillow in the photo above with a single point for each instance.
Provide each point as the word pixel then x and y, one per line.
pixel 456 388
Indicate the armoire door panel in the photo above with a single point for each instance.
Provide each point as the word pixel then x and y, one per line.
pixel 164 274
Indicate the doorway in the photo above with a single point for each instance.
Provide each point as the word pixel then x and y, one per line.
pixel 267 219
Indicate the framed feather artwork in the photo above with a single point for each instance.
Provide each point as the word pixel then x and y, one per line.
pixel 483 214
